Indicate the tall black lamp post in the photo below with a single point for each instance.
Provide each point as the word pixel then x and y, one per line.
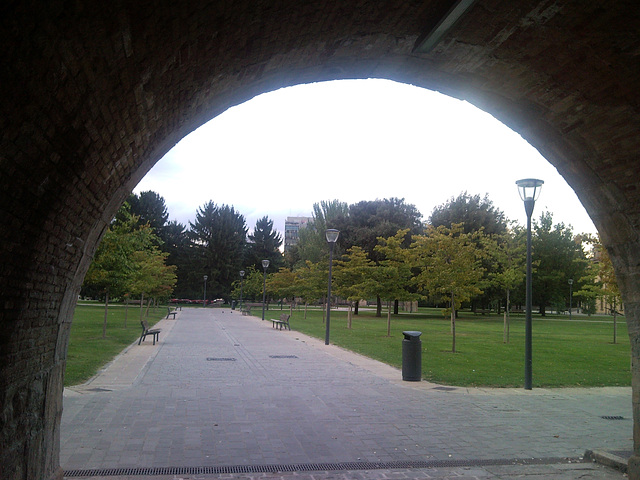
pixel 204 298
pixel 265 265
pixel 332 238
pixel 241 284
pixel 529 189
pixel 570 296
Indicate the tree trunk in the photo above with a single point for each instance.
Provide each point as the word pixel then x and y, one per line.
pixel 388 318
pixel 395 307
pixel 306 304
pixel 106 313
pixel 126 311
pixel 350 315
pixel 378 306
pixel 141 306
pixel 355 309
pixel 149 302
pixel 453 322
pixel 505 334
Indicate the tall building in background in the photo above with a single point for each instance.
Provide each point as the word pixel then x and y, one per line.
pixel 291 227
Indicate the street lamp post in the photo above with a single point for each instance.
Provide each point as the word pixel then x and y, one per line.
pixel 332 238
pixel 529 189
pixel 265 265
pixel 204 298
pixel 570 295
pixel 241 284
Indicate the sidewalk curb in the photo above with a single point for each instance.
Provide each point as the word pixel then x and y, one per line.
pixel 608 459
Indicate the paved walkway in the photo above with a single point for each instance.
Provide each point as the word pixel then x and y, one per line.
pixel 222 389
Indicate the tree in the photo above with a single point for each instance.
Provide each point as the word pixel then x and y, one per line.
pixel 449 266
pixel 312 282
pixel 283 284
pixel 395 275
pixel 218 238
pixel 473 212
pixel 264 244
pixel 150 275
pixel 369 220
pixel 151 209
pixel 113 265
pixel 312 244
pixel 353 277
pixel 507 252
pixel 559 257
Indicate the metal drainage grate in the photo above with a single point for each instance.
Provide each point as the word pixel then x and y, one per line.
pixel 220 359
pixel 612 417
pixel 445 389
pixel 314 467
pixel 283 356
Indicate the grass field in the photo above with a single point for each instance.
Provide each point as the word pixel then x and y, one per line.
pixel 88 351
pixel 565 353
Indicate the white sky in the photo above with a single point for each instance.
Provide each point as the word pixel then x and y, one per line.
pixel 281 152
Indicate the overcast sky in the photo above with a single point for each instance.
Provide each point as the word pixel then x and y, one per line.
pixel 278 154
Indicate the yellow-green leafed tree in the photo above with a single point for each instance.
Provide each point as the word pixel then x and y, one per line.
pixel 394 276
pixel 283 284
pixel 352 278
pixel 449 267
pixel 312 282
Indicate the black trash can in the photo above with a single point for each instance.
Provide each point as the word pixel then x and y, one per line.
pixel 412 357
pixel 233 305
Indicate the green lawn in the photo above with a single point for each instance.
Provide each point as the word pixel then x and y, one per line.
pixel 88 351
pixel 578 353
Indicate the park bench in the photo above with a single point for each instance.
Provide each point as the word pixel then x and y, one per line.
pixel 482 311
pixel 283 322
pixel 155 333
pixel 246 308
pixel 172 312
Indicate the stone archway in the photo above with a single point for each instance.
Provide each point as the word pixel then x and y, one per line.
pixel 94 95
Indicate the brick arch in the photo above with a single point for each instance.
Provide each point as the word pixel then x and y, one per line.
pixel 94 95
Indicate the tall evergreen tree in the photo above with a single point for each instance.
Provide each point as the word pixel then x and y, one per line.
pixel 150 208
pixel 264 244
pixel 217 242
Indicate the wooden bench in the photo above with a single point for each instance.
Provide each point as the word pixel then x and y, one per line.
pixel 481 311
pixel 283 322
pixel 155 333
pixel 246 308
pixel 172 312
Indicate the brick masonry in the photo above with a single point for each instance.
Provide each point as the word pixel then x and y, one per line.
pixel 94 94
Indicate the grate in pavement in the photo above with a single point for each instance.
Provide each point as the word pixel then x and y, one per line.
pixel 220 359
pixel 313 467
pixel 612 417
pixel 283 356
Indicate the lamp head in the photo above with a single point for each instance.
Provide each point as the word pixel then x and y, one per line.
pixel 570 281
pixel 205 278
pixel 332 235
pixel 265 264
pixel 242 273
pixel 529 189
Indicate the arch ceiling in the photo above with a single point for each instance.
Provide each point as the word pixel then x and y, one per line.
pixel 95 94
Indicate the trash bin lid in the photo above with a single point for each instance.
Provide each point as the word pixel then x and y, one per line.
pixel 409 335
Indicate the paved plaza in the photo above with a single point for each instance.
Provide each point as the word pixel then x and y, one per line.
pixel 224 390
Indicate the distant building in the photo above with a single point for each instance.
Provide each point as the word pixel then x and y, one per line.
pixel 291 227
